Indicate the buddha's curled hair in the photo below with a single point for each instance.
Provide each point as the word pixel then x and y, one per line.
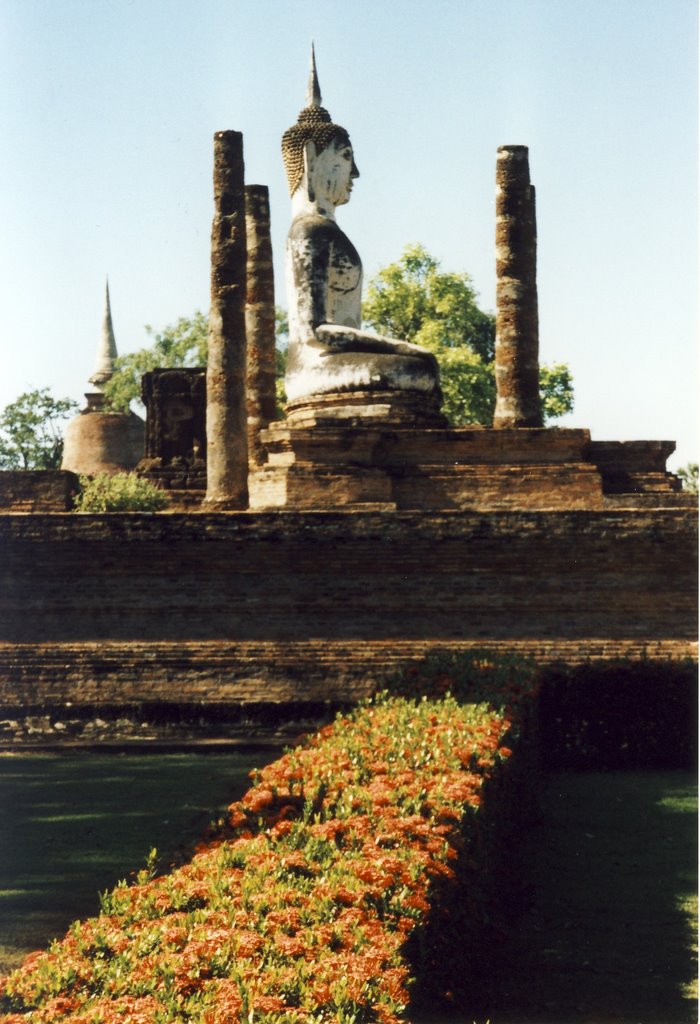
pixel 313 124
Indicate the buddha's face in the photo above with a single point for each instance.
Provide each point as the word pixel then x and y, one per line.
pixel 334 171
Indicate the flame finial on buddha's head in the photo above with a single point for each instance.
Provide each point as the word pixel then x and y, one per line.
pixel 313 124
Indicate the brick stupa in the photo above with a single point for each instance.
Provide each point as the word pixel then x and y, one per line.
pixel 98 440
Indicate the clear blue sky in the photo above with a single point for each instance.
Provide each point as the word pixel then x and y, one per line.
pixel 108 107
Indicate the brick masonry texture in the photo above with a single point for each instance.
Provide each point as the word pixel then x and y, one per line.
pixel 280 606
pixel 37 490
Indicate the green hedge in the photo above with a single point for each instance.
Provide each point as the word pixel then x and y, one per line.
pixel 358 861
pixel 374 865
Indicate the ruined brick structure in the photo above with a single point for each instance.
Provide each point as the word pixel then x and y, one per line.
pixel 37 490
pixel 176 435
pixel 334 464
pixel 99 440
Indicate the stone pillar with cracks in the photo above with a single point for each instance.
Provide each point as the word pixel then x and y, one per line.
pixel 227 446
pixel 260 321
pixel 517 329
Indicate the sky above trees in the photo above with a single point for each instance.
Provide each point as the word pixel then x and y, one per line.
pixel 108 108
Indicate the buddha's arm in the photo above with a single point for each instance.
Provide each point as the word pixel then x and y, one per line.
pixel 310 254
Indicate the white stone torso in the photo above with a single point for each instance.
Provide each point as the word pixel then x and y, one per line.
pixel 328 349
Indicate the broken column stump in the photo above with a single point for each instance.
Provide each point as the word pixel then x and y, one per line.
pixel 227 447
pixel 517 328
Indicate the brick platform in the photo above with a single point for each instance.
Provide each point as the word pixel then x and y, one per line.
pixel 315 606
pixel 325 463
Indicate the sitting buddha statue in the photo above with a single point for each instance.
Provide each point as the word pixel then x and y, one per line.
pixel 329 352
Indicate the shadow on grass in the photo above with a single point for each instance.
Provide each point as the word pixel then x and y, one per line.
pixel 75 824
pixel 608 935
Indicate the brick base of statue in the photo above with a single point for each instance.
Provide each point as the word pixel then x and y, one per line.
pixel 359 408
pixel 352 452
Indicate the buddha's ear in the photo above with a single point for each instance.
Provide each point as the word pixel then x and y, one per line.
pixel 310 154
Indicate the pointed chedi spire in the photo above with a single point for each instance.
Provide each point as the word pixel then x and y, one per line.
pixel 313 89
pixel 107 348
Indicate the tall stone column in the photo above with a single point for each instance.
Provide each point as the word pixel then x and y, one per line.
pixel 259 320
pixel 517 327
pixel 227 446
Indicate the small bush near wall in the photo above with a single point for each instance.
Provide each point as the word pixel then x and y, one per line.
pixel 119 492
pixel 627 714
pixel 358 860
pixel 501 680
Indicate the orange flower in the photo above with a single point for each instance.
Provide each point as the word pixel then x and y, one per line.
pixel 248 943
pixel 269 1004
pixel 258 799
pixel 237 816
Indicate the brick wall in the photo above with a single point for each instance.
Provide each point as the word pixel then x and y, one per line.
pixel 285 605
pixel 33 490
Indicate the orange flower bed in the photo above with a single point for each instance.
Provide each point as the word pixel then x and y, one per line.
pixel 306 904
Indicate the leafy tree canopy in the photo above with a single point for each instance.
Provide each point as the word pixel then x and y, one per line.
pixel 556 390
pixel 183 343
pixel 689 476
pixel 30 430
pixel 413 300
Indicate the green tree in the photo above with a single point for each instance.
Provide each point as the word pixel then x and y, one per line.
pixel 414 300
pixel 281 343
pixel 183 343
pixel 689 476
pixel 30 430
pixel 556 390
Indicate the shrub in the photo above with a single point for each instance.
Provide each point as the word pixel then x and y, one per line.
pixel 620 715
pixel 503 681
pixel 120 492
pixel 313 900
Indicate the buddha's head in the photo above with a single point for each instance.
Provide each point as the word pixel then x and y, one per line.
pixel 319 151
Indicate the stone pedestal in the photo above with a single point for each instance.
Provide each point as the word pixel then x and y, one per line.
pixel 336 463
pixel 362 408
pixel 324 459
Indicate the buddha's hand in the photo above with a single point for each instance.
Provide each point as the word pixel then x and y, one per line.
pixel 351 339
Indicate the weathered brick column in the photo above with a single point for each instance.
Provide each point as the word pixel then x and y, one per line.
pixel 227 447
pixel 517 330
pixel 259 320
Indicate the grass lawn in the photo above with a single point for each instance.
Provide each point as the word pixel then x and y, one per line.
pixel 75 824
pixel 609 935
